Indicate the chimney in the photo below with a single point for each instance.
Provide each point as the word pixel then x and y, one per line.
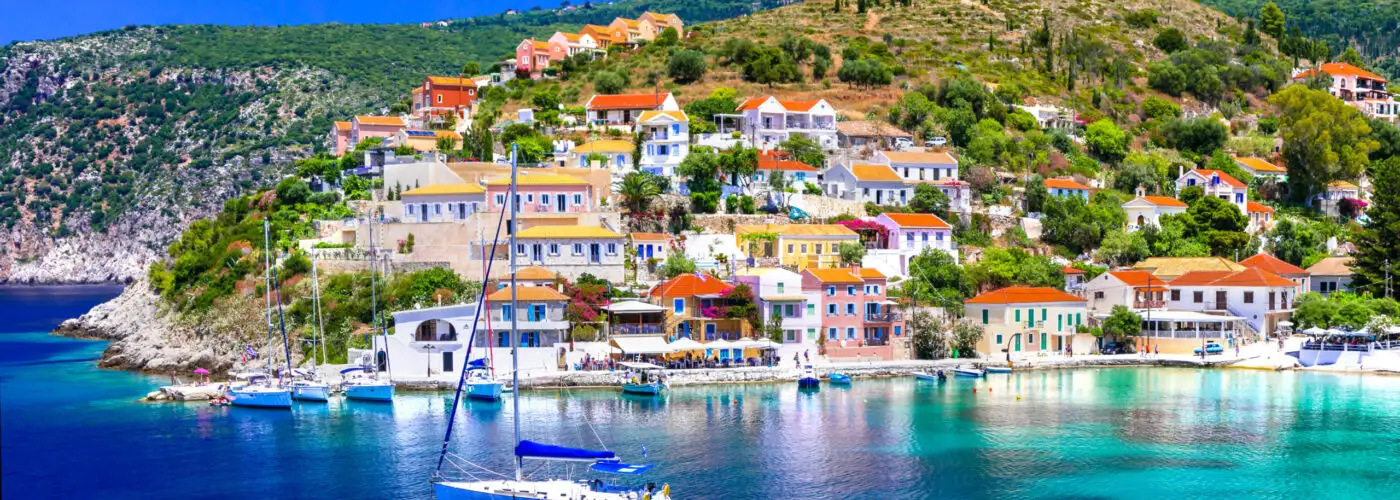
pixel 1180 171
pixel 855 269
pixel 1141 191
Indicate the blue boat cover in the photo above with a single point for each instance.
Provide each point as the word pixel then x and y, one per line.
pixel 615 467
pixel 477 363
pixel 351 369
pixel 531 449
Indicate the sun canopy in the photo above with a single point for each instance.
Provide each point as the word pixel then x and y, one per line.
pixel 634 307
pixel 686 344
pixel 615 467
pixel 719 344
pixel 640 366
pixel 642 345
pixel 531 449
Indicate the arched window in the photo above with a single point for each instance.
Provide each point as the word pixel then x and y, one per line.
pixel 435 330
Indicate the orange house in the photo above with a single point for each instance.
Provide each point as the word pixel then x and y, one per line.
pixel 448 93
pixel 605 35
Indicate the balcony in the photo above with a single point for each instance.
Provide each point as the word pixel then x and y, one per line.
pixel 642 329
pixel 885 317
pixel 1148 304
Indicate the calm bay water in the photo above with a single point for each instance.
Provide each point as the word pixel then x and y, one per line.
pixel 68 429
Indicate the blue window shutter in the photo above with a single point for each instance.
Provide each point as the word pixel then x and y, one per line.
pixel 680 306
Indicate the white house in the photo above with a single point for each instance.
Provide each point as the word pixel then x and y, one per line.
pixel 1330 200
pixel 919 165
pixel 866 182
pixel 432 342
pixel 1137 290
pixel 796 172
pixel 1330 275
pixel 1260 297
pixel 1029 320
pixel 780 295
pixel 1359 88
pixel 572 250
pixel 563 45
pixel 538 314
pixel 1261 216
pixel 1283 269
pixel 1218 184
pixel 614 154
pixel 1144 210
pixel 623 109
pixel 665 140
pixel 769 121
pixel 442 202
pixel 651 245
pixel 1061 188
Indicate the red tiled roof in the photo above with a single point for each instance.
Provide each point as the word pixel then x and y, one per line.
pixel 1341 69
pixel 649 236
pixel 918 220
pixel 1272 264
pixel 803 106
pixel 1138 278
pixel 786 165
pixel 1254 206
pixel 1065 184
pixel 1023 295
pixel 1164 201
pixel 627 101
pixel 1224 177
pixel 688 285
pixel 1072 270
pixel 1252 277
pixel 834 275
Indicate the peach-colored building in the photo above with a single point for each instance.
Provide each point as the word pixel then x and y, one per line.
pixel 543 193
pixel 364 127
pixel 636 29
pixel 532 56
pixel 340 137
pixel 563 45
pixel 662 21
pixel 605 35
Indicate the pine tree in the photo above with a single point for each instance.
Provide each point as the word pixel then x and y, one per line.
pixel 1271 20
pixel 836 7
pixel 1377 248
pixel 991 43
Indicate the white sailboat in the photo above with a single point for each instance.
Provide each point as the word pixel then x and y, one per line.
pixel 363 383
pixel 480 383
pixel 519 487
pixel 306 385
pixel 260 393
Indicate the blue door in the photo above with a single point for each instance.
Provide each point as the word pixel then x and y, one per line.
pixel 709 331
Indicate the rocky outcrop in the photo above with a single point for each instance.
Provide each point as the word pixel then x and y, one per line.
pixel 147 336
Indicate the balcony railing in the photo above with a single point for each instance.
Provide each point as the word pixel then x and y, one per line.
pixel 1216 305
pixel 888 317
pixel 498 320
pixel 1149 304
pixel 642 329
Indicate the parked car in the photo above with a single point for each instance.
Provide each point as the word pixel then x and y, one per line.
pixel 1211 348
pixel 1114 348
pixel 936 142
pixel 903 143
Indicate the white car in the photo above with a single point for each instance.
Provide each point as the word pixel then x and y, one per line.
pixel 903 143
pixel 936 142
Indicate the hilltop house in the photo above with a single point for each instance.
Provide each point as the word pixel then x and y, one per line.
pixel 364 127
pixel 662 21
pixel 617 154
pixel 636 29
pixel 624 109
pixel 442 202
pixel 1260 168
pixel 651 246
pixel 936 168
pixel 1218 184
pixel 1143 210
pixel 874 183
pixel 606 36
pixel 767 121
pixel 1061 188
pixel 665 141
pixel 1359 88
pixel 799 246
pixel 1330 275
pixel 572 251
pixel 1029 319
pixel 532 56
pixel 797 173
pixel 1261 216
pixel 563 45
pixel 1332 200
pixel 340 138
pixel 440 95
pixel 780 296
pixel 909 236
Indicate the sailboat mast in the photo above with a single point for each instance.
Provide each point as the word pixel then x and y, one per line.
pixel 267 293
pixel 373 298
pixel 319 334
pixel 514 314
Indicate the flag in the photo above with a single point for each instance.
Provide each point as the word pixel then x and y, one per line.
pixel 249 352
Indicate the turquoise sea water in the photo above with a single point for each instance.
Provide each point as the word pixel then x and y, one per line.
pixel 68 429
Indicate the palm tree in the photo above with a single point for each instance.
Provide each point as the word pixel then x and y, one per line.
pixel 637 190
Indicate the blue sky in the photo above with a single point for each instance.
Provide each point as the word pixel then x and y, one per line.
pixel 25 20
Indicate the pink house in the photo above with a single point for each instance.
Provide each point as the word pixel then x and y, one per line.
pixel 532 55
pixel 340 137
pixel 364 127
pixel 857 320
pixel 542 193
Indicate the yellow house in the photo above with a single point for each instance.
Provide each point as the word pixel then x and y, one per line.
pixel 796 245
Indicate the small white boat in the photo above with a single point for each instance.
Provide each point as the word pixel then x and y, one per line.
pixel 808 379
pixel 930 376
pixel 969 372
pixel 480 384
pixel 261 396
pixel 998 369
pixel 642 378
pixel 360 387
pixel 310 390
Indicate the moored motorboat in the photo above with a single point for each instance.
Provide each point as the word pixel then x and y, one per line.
pixel 998 369
pixel 969 372
pixel 808 379
pixel 644 379
pixel 931 376
pixel 839 379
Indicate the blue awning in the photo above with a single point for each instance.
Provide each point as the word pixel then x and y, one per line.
pixel 531 449
pixel 615 467
pixel 477 363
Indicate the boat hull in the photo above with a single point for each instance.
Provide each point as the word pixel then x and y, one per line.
pixel 840 379
pixel 998 369
pixel 311 392
pixel 808 382
pixel 560 490
pixel 969 373
pixel 261 398
pixel 642 389
pixel 370 392
pixel 486 391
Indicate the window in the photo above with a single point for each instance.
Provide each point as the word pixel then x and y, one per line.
pixel 938 236
pixel 578 249
pixel 678 306
pixel 1249 297
pixel 851 309
pixel 529 197
pixel 811 309
pixel 780 288
pixel 909 237
pixel 897 331
pixel 1018 315
pixel 1197 297
pixel 1098 295
pixel 789 311
pixel 831 309
pixel 789 248
pixel 819 248
pixel 1176 294
pixel 851 290
pixel 1078 318
pixel 1030 318
pixel 520 249
pixel 410 209
pixel 851 333
pixel 1044 313
pixel 985 317
pixel 439 98
pixel 867 289
pixel 998 339
pixel 578 199
pixel 437 209
pixel 554 249
pixel 831 291
pixel 612 248
pixel 925 238
pixel 1030 338
pixel 507 312
pixel 831 333
pixel 804 248
pixel 500 199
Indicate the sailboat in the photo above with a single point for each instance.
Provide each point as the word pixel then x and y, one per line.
pixel 480 383
pixel 306 385
pixel 362 382
pixel 260 393
pixel 518 487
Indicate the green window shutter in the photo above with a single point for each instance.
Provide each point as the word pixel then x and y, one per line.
pixel 1060 322
pixel 984 316
pixel 1043 313
pixel 1018 315
pixel 1078 319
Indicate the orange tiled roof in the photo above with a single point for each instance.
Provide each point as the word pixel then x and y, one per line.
pixel 935 158
pixel 572 37
pixel 752 103
pixel 688 285
pixel 802 106
pixel 342 126
pixel 1342 185
pixel 1072 270
pixel 1224 177
pixel 871 273
pixel 1138 278
pixel 535 273
pixel 795 106
pixel 786 165
pixel 1065 184
pixel 1259 165
pixel 1272 264
pixel 836 275
pixel 918 220
pixel 1164 201
pixel 649 236
pixel 869 172
pixel 1341 69
pixel 1251 277
pixel 1023 295
pixel 631 23
pixel 528 293
pixel 1256 207
pixel 392 121
pixel 627 101
pixel 455 81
